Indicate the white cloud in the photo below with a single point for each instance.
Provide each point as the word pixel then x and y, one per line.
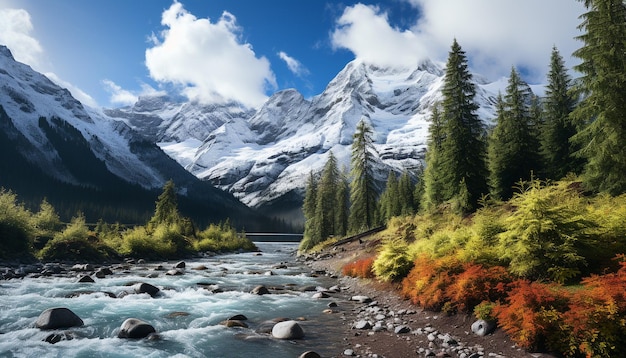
pixel 366 31
pixel 15 33
pixel 495 34
pixel 118 94
pixel 294 65
pixel 208 59
pixel 76 92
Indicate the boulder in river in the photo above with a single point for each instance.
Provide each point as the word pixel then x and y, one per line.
pixel 58 337
pixel 287 330
pixel 86 279
pixel 143 287
pixel 309 354
pixel 180 265
pixel 58 317
pixel 135 328
pixel 260 290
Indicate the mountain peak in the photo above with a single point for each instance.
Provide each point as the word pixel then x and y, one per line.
pixel 4 51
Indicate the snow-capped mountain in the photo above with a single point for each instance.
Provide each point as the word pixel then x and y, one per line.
pixel 43 127
pixel 263 157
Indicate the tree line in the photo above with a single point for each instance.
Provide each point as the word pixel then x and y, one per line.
pixel 578 128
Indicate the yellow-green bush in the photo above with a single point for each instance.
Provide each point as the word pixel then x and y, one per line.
pixel 16 231
pixel 221 238
pixel 393 261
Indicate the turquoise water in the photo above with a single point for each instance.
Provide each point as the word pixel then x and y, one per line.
pixel 197 332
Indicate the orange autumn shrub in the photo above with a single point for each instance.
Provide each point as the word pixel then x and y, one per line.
pixel 361 268
pixel 476 284
pixel 532 313
pixel 597 316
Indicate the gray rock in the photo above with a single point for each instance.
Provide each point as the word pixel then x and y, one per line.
pixel 402 330
pixel 180 265
pixel 362 325
pixel 175 272
pixel 287 330
pixel 483 328
pixel 260 290
pixel 361 299
pixel 231 323
pixel 59 317
pixel 239 317
pixel 58 337
pixel 135 328
pixel 309 354
pixel 348 352
pixel 143 287
pixel 86 279
pixel 320 295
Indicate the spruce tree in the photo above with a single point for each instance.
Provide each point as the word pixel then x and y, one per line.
pixel 326 203
pixel 390 198
pixel 166 211
pixel 463 149
pixel 601 114
pixel 433 183
pixel 342 202
pixel 308 208
pixel 363 195
pixel 513 147
pixel 557 127
pixel 405 194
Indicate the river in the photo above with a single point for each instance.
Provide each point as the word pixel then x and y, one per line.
pixel 186 314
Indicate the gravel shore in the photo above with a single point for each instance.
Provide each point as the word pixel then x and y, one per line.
pixel 380 323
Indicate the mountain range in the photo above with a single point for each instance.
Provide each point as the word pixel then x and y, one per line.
pixel 260 157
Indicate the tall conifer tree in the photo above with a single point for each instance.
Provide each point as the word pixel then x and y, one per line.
pixel 557 127
pixel 513 145
pixel 405 194
pixel 390 204
pixel 601 114
pixel 363 195
pixel 463 149
pixel 326 204
pixel 433 184
pixel 308 208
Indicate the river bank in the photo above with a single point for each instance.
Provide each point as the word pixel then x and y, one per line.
pixel 394 328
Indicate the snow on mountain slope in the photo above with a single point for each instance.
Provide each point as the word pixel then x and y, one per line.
pixel 265 156
pixel 28 97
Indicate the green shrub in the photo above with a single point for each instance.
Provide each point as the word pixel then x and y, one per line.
pixel 16 231
pixel 393 262
pixel 222 238
pixel 76 243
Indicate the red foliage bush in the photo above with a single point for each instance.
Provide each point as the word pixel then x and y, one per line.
pixel 476 284
pixel 433 283
pixel 531 313
pixel 597 315
pixel 361 268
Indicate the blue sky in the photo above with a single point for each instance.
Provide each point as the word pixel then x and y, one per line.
pixel 108 52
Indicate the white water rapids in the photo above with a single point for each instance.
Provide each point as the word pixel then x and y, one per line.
pixel 186 315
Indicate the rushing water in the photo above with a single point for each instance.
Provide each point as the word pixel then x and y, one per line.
pixel 186 315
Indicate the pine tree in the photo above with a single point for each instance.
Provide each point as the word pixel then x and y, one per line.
pixel 326 204
pixel 166 211
pixel 513 148
pixel 557 128
pixel 433 184
pixel 308 207
pixel 405 194
pixel 390 198
pixel 363 195
pixel 463 148
pixel 601 114
pixel 342 203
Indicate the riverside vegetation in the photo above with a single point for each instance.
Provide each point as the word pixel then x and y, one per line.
pixel 521 223
pixel 167 235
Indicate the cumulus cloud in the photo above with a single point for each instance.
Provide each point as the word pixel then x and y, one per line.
pixel 208 59
pixel 15 33
pixel 495 34
pixel 294 65
pixel 366 31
